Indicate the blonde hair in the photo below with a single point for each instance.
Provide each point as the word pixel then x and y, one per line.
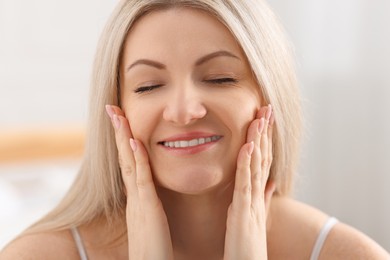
pixel 98 189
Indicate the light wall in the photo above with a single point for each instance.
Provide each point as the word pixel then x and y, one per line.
pixel 343 60
pixel 343 56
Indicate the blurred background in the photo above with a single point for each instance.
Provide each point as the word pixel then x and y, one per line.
pixel 342 48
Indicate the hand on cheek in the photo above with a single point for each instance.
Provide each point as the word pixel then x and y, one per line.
pixel 246 224
pixel 148 230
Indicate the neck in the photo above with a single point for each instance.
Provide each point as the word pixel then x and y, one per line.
pixel 198 222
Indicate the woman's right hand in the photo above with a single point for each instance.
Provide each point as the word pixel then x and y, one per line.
pixel 147 224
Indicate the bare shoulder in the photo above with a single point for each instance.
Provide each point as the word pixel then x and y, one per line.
pixel 294 228
pixel 345 242
pixel 48 245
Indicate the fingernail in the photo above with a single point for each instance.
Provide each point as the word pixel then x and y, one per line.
pixel 117 122
pixel 261 125
pixel 269 112
pixel 133 145
pixel 251 146
pixel 110 111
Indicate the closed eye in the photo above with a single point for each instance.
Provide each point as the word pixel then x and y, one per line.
pixel 222 80
pixel 147 88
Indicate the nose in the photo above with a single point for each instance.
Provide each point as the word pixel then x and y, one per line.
pixel 184 106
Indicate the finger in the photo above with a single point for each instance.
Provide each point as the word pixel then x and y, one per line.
pixel 253 135
pixel 125 154
pixel 118 110
pixel 270 137
pixel 145 185
pixel 256 163
pixel 114 110
pixel 262 112
pixel 256 169
pixel 265 145
pixel 242 186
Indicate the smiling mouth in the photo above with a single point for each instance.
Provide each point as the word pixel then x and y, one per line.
pixel 190 143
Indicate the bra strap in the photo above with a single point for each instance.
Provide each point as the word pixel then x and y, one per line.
pixel 322 237
pixel 79 243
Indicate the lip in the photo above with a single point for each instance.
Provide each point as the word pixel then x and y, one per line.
pixel 186 137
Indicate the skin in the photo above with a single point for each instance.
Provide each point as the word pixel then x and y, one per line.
pixel 215 204
pixel 202 199
pixel 188 100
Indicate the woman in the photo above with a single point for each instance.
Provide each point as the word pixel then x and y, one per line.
pixel 192 161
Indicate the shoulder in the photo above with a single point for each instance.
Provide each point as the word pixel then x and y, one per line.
pixel 294 228
pixel 345 242
pixel 48 245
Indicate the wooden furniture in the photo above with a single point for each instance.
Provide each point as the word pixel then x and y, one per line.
pixel 29 144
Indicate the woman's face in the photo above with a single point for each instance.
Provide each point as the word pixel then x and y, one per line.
pixel 189 95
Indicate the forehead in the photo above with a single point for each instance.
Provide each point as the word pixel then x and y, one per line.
pixel 183 31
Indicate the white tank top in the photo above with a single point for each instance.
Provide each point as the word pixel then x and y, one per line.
pixel 314 255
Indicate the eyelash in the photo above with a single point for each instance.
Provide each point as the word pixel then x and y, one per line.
pixel 147 88
pixel 212 81
pixel 222 81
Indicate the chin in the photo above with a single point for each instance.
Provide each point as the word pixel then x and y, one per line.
pixel 190 181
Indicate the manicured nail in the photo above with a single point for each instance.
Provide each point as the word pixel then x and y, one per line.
pixel 261 125
pixel 110 111
pixel 117 122
pixel 133 145
pixel 269 112
pixel 251 146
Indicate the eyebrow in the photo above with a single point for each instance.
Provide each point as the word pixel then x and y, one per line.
pixel 199 62
pixel 215 55
pixel 152 63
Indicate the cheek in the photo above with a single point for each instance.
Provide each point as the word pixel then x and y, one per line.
pixel 240 112
pixel 236 113
pixel 243 117
pixel 142 118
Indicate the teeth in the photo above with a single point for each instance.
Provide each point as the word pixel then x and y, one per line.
pixel 191 143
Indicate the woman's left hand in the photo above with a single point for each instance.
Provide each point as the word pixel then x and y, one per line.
pixel 246 221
